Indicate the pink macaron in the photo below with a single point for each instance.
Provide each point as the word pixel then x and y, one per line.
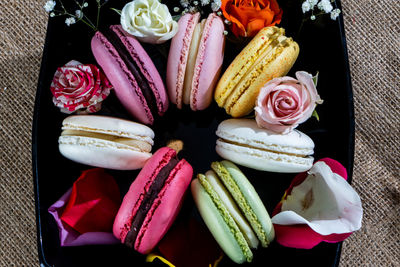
pixel 153 201
pixel 136 81
pixel 195 59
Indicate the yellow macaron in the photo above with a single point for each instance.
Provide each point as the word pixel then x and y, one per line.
pixel 269 54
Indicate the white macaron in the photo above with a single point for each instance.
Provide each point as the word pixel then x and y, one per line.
pixel 106 142
pixel 243 142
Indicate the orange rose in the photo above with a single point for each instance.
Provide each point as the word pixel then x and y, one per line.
pixel 250 16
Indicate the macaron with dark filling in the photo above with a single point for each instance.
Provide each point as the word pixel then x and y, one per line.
pixel 153 201
pixel 128 67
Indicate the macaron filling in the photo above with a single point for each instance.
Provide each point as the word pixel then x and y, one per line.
pixel 141 80
pixel 147 201
pixel 137 144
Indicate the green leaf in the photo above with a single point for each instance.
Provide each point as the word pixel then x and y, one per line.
pixel 116 10
pixel 315 79
pixel 315 115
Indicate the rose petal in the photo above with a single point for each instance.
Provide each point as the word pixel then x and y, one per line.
pixel 87 209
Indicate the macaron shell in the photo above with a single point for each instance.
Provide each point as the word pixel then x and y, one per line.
pixel 209 61
pixel 101 153
pixel 126 88
pixel 252 199
pixel 216 223
pixel 165 208
pixel 146 66
pixel 140 185
pixel 263 160
pixel 177 57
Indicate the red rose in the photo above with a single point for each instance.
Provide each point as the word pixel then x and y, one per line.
pixel 76 86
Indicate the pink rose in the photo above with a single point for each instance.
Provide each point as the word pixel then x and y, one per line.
pixel 284 103
pixel 76 86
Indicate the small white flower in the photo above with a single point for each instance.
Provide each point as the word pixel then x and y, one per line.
pixel 70 21
pixel 325 6
pixel 85 4
pixel 312 3
pixel 184 3
pixel 225 32
pixel 49 6
pixel 176 9
pixel 305 6
pixel 335 13
pixel 195 3
pixel 219 13
pixel 312 17
pixel 52 14
pixel 78 13
pixel 216 5
pixel 205 2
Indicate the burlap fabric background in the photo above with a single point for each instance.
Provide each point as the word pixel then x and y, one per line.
pixel 373 35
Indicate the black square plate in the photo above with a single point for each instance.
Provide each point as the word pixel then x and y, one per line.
pixel 322 48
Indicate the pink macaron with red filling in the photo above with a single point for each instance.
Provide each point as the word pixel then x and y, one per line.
pixel 136 81
pixel 195 60
pixel 153 201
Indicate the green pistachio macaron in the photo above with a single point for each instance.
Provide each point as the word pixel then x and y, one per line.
pixel 232 210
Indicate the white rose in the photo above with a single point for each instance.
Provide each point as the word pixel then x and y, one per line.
pixel 149 21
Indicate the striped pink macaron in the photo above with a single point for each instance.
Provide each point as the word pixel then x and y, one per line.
pixel 195 60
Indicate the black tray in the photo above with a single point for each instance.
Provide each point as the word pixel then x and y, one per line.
pixel 322 48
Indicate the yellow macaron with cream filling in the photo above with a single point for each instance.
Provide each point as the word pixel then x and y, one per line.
pixel 269 54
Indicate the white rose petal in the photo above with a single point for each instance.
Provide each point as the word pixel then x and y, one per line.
pixel 149 21
pixel 324 201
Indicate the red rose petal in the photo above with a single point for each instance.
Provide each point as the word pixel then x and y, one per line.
pixel 94 202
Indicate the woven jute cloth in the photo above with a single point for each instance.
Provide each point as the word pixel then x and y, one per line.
pixel 373 35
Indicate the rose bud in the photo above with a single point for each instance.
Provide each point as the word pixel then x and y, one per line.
pixel 319 205
pixel 283 103
pixel 248 17
pixel 79 87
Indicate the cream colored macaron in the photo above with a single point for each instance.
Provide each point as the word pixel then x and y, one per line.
pixel 243 142
pixel 106 142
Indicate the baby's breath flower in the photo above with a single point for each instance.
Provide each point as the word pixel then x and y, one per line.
pixel 205 2
pixel 70 21
pixel 184 3
pixel 193 9
pixel 49 6
pixel 312 17
pixel 195 3
pixel 335 13
pixel 312 3
pixel 219 13
pixel 176 9
pixel 325 6
pixel 305 6
pixel 86 4
pixel 78 13
pixel 52 14
pixel 216 5
pixel 225 32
